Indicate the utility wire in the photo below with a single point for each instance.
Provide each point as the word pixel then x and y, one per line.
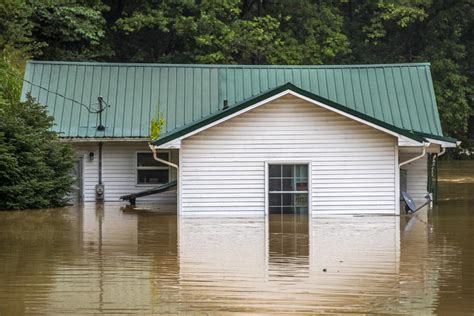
pixel 87 107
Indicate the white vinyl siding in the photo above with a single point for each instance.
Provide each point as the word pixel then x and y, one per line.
pixel 417 176
pixel 353 165
pixel 119 171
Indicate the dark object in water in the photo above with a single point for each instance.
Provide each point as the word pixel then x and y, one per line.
pixel 162 188
pixel 410 206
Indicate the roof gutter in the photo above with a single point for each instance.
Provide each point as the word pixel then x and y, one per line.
pixel 425 145
pixel 155 156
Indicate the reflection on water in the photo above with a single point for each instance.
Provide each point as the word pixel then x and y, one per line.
pixel 101 259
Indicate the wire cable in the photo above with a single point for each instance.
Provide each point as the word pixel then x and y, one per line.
pixel 87 107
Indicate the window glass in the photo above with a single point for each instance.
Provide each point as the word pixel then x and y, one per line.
pixel 288 189
pixel 152 176
pixel 147 160
pixel 150 171
pixel 274 171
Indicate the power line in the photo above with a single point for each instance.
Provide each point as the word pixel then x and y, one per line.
pixel 87 107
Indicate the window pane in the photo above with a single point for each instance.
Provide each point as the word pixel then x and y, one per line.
pixel 288 179
pixel 301 184
pixel 152 176
pixel 287 210
pixel 147 160
pixel 301 210
pixel 288 185
pixel 300 199
pixel 274 171
pixel 301 171
pixel 274 185
pixel 287 171
pixel 287 199
pixel 275 210
pixel 275 199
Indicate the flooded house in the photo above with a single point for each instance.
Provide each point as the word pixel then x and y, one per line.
pixel 247 140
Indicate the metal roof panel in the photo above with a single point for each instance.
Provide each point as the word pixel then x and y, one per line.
pixel 398 94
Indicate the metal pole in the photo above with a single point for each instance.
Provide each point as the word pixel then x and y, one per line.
pixel 101 109
pixel 100 162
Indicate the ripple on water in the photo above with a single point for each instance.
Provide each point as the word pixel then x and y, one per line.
pixel 88 260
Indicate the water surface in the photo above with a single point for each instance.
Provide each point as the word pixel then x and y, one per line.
pixel 100 259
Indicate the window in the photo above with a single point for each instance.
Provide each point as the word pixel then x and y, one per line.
pixel 288 189
pixel 150 171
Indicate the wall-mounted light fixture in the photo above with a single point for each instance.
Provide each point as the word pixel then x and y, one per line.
pixel 91 155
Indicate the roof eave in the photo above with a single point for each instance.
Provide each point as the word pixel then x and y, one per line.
pixel 277 92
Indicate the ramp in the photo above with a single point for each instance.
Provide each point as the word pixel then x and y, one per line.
pixel 132 198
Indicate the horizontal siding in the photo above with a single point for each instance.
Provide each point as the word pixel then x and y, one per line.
pixel 353 165
pixel 417 176
pixel 119 172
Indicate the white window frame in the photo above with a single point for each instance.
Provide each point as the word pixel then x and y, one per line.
pixel 168 152
pixel 286 162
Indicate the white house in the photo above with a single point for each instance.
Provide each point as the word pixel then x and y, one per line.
pixel 248 139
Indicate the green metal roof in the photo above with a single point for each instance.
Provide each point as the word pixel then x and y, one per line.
pixel 400 95
pixel 222 114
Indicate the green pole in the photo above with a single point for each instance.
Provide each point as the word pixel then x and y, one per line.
pixel 435 193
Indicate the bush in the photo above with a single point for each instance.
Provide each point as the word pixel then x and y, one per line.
pixel 35 167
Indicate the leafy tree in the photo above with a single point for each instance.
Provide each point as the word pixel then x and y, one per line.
pixel 68 30
pixel 424 30
pixel 34 165
pixel 257 32
pixel 15 26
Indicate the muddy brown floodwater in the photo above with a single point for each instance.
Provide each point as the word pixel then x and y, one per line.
pixel 100 259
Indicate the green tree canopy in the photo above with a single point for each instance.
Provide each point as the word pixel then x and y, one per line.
pixel 257 32
pixel 34 165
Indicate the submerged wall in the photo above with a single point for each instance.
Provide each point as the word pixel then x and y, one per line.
pixel 119 171
pixel 417 175
pixel 353 166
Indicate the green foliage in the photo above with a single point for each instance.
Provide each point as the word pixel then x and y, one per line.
pixel 15 27
pixel 156 124
pixel 257 32
pixel 11 69
pixel 34 165
pixel 54 30
pixel 67 30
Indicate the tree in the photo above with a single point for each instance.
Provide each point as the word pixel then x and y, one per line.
pixel 15 27
pixel 437 31
pixel 257 32
pixel 34 165
pixel 68 30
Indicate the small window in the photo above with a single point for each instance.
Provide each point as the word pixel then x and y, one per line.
pixel 150 171
pixel 288 189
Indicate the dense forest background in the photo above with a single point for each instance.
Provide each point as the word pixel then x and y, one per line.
pixel 253 32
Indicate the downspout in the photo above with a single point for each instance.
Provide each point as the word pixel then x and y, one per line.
pixel 155 156
pixel 423 153
pixel 443 151
pixel 435 189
